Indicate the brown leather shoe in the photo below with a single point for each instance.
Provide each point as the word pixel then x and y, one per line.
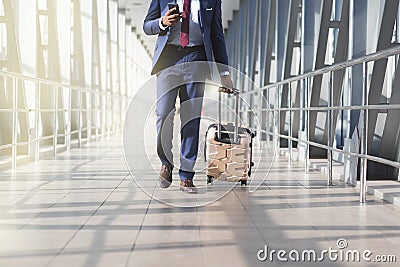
pixel 188 186
pixel 166 176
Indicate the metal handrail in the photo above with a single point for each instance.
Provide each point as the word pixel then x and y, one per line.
pixel 369 107
pixel 23 77
pixel 338 66
pixel 364 108
pixel 333 149
pixel 106 126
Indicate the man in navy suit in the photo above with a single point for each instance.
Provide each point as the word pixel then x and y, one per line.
pixel 194 35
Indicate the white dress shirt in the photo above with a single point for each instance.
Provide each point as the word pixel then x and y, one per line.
pixel 195 34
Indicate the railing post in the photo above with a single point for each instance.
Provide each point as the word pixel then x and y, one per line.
pixel 307 123
pixel 109 108
pixel 70 118
pixel 104 115
pixel 277 120
pixel 89 116
pixel 330 129
pixel 37 115
pixel 55 122
pixel 97 111
pixel 290 141
pixel 68 136
pixel 268 113
pixel 226 108
pixel 260 114
pixel 14 124
pixel 80 119
pixel 103 107
pixel 302 86
pixel 364 136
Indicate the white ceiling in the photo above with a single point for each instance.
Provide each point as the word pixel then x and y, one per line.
pixel 136 11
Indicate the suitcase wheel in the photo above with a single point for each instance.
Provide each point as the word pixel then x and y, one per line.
pixel 252 164
pixel 253 135
pixel 210 179
pixel 243 182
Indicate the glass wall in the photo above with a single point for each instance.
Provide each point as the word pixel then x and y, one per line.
pixel 91 55
pixel 292 37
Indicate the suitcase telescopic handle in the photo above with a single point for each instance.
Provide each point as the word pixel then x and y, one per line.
pixel 235 92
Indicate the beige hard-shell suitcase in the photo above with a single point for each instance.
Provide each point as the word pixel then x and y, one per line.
pixel 228 150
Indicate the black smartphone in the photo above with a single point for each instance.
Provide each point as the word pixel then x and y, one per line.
pixel 174 5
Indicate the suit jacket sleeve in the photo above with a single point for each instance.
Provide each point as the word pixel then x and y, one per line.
pixel 218 39
pixel 150 25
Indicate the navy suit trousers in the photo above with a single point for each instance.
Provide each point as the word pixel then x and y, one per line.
pixel 180 79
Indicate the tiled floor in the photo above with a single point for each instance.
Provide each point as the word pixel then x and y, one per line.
pixel 83 209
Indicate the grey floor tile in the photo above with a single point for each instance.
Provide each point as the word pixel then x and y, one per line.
pixel 83 208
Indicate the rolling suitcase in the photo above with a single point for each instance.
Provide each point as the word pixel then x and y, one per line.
pixel 229 149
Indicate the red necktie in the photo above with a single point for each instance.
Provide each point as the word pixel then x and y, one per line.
pixel 184 41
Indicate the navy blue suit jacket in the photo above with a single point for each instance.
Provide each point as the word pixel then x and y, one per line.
pixel 210 24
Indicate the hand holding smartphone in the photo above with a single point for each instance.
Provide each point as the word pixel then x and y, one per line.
pixel 172 16
pixel 172 6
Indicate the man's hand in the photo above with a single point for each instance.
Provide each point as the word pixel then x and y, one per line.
pixel 227 83
pixel 170 18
